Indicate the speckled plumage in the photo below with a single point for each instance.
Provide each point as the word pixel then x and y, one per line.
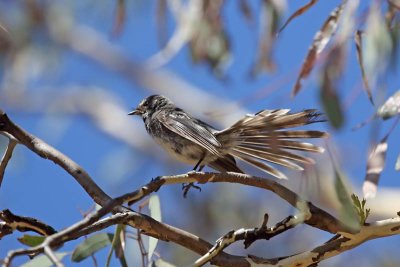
pixel 255 139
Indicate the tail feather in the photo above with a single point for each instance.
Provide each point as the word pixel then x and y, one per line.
pixel 294 145
pixel 261 138
pixel 279 153
pixel 261 165
pixel 267 157
pixel 283 135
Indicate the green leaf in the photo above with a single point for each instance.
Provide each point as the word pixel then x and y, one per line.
pixel 363 213
pixel 155 213
pixel 331 74
pixel 116 245
pixel 43 260
pixel 348 213
pixel 91 245
pixel 31 240
pixel 378 43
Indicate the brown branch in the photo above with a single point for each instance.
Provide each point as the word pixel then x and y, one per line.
pixel 251 235
pixel 46 151
pixel 319 219
pixel 6 157
pixel 12 222
pixel 336 245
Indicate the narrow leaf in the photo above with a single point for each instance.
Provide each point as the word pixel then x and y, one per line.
pixel 246 10
pixel 270 15
pixel 297 13
pixel 358 41
pixel 375 165
pixel 210 43
pixel 363 212
pixel 321 39
pixel 391 107
pixel 331 74
pixel 91 245
pixel 155 213
pixel 116 245
pixel 43 260
pixel 31 240
pixel 377 45
pixel 119 19
pixel 397 167
pixel 348 214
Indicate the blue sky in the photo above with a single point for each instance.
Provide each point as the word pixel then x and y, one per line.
pixel 38 188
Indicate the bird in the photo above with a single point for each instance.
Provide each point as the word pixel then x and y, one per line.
pixel 259 139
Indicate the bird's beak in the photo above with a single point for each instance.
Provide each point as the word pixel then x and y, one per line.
pixel 136 112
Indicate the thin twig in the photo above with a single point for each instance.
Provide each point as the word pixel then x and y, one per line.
pixel 6 157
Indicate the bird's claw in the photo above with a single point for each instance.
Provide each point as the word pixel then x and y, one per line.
pixel 186 188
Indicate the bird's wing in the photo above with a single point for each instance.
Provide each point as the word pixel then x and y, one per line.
pixel 180 123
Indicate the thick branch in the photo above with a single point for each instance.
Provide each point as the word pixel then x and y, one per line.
pixel 13 222
pixel 336 245
pixel 46 151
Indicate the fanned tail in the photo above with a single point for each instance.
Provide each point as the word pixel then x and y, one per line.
pixel 263 138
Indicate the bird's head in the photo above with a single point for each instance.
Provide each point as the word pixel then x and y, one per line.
pixel 150 105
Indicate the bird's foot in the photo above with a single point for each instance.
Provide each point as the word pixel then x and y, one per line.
pixel 186 188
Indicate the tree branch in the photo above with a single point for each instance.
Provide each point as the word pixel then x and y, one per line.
pixel 12 222
pixel 251 235
pixel 338 244
pixel 319 218
pixel 6 157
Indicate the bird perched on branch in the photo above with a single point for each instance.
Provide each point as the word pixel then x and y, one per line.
pixel 257 139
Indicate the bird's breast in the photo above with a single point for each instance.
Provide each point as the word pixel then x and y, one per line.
pixel 181 149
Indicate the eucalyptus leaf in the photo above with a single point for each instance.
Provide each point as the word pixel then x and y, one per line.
pixel 32 240
pixel 116 245
pixel 378 43
pixel 348 214
pixel 397 167
pixel 43 260
pixel 155 213
pixel 91 245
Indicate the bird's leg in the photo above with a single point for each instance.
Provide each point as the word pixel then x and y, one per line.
pixel 186 187
pixel 198 164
